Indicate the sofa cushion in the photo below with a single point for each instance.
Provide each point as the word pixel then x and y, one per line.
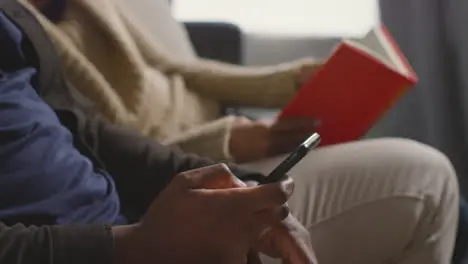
pixel 156 18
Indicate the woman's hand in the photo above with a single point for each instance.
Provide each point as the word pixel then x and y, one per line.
pixel 254 140
pixel 306 72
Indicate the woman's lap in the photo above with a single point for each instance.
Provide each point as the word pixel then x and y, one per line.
pixel 376 201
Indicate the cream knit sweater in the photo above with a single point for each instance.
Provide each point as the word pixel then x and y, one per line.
pixel 134 82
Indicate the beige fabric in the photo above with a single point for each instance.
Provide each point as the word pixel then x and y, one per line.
pixel 375 202
pixel 155 17
pixel 135 82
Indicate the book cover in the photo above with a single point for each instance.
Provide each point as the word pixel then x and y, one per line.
pixel 354 88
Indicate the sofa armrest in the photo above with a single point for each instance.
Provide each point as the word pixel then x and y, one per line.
pixel 224 42
pixel 216 40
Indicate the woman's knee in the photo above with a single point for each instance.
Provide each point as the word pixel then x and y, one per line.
pixel 382 180
pixel 389 158
pixel 422 167
pixel 431 173
pixel 347 175
pixel 406 152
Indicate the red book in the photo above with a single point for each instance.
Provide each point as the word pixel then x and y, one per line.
pixel 359 82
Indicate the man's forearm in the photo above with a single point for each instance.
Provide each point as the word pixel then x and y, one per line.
pixel 56 244
pixel 140 166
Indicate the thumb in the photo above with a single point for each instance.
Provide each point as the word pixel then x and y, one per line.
pixel 257 198
pixel 217 176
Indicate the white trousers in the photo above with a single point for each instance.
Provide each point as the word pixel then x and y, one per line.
pixel 375 201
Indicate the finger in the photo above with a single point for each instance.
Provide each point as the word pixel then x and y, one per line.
pixel 267 218
pixel 307 70
pixel 298 253
pixel 293 250
pixel 254 199
pixel 217 176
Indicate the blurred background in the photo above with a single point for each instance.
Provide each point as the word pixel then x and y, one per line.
pixel 279 30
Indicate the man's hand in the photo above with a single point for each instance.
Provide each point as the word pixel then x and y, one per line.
pixel 288 241
pixel 255 140
pixel 189 223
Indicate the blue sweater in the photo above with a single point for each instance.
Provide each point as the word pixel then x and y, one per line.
pixel 43 178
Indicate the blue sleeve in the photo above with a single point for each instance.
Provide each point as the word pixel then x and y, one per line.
pixel 46 244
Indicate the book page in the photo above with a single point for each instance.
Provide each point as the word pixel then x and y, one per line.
pixel 376 44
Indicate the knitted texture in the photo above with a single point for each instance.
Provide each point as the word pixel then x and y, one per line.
pixel 135 82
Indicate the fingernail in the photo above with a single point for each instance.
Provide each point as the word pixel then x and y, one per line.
pixel 288 186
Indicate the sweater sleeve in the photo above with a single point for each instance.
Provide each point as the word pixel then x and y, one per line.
pixel 242 85
pixel 239 85
pixel 55 244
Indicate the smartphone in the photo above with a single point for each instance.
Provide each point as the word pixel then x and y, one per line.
pixel 286 165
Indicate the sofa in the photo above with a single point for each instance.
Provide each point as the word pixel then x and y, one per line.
pixel 220 41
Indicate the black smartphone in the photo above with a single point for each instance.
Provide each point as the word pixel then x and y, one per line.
pixel 286 165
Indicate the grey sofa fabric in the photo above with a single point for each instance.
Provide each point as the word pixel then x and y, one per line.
pixel 216 40
pixel 433 34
